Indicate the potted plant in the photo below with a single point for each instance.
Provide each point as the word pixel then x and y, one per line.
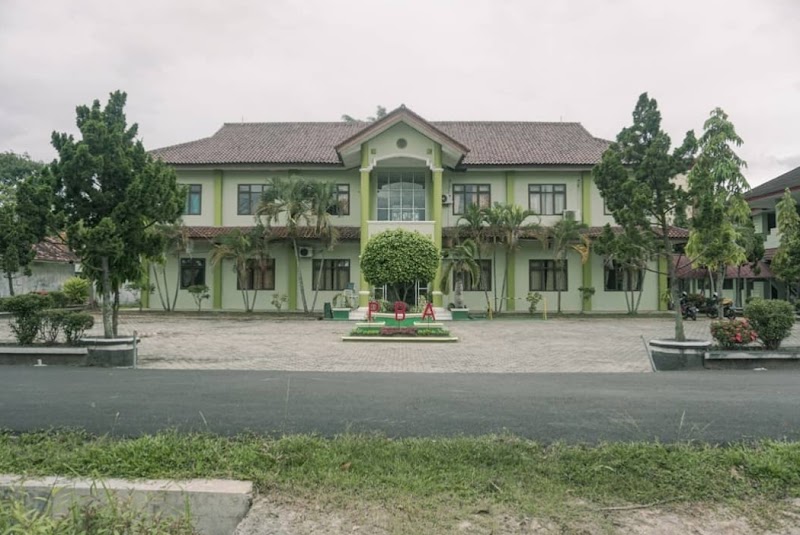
pixel 341 307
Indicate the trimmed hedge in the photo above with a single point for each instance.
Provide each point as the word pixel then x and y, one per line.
pixel 772 320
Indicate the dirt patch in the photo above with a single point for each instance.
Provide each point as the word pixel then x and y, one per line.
pixel 276 515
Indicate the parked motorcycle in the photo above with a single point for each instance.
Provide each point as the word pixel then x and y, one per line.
pixel 711 307
pixel 688 310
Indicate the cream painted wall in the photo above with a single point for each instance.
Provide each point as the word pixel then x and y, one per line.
pixel 343 250
pixel 599 218
pixel 206 180
pixel 384 145
pixel 232 297
pixel 496 179
pixel 570 299
pixel 230 189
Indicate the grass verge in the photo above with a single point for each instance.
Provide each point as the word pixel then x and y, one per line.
pixel 497 471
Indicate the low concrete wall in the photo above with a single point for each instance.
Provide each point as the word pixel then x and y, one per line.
pixel 741 359
pixel 216 506
pixel 671 355
pixel 49 356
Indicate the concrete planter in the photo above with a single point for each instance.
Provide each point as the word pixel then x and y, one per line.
pixel 459 314
pixel 110 352
pixel 341 313
pixel 671 355
pixel 752 358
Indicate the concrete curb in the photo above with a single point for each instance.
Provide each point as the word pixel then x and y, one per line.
pixel 216 506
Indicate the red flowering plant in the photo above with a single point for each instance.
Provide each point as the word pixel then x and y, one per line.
pixel 733 333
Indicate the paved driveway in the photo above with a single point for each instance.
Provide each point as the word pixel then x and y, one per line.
pixel 499 346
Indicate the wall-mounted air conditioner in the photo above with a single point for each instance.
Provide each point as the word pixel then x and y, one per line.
pixel 572 214
pixel 305 252
pixel 447 198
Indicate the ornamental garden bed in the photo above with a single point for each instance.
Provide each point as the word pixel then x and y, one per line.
pixel 410 329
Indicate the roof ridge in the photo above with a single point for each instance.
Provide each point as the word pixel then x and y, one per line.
pixel 259 123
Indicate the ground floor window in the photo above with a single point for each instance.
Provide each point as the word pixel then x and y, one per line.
pixel 260 275
pixel 619 278
pixel 335 274
pixel 482 285
pixel 544 277
pixel 193 272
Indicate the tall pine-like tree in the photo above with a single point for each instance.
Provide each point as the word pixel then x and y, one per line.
pixel 110 192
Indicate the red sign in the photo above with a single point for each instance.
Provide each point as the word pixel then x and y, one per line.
pixel 428 313
pixel 399 311
pixel 374 306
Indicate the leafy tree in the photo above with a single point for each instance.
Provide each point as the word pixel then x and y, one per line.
pixel 495 221
pixel 14 168
pixel 786 262
pixel 716 186
pixel 110 192
pixel 566 236
pixel 630 250
pixel 246 251
pixel 512 224
pixel 473 221
pixel 635 177
pixel 25 218
pixel 399 258
pixel 288 200
pixel 323 201
pixel 174 242
pixel 380 113
pixel 459 261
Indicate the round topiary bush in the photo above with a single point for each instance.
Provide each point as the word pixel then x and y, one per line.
pixel 772 319
pixel 399 258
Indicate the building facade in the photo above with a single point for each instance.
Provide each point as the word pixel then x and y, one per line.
pixel 398 172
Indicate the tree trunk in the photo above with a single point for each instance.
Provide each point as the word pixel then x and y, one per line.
pixel 641 287
pixel 680 335
pixel 158 288
pixel 108 329
pixel 459 300
pixel 177 285
pixel 720 280
pixel 10 277
pixel 558 286
pixel 300 276
pixel 494 274
pixel 115 313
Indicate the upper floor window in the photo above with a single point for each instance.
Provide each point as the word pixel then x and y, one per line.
pixel 194 194
pixel 193 272
pixel 547 199
pixel 341 200
pixel 619 278
pixel 249 198
pixel 335 274
pixel 401 196
pixel 259 275
pixel 544 277
pixel 467 194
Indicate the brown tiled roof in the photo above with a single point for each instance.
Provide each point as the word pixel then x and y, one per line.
pixel 674 232
pixel 489 143
pixel 684 270
pixel 53 249
pixel 776 186
pixel 306 233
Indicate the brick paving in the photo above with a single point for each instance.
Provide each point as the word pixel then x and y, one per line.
pixel 500 346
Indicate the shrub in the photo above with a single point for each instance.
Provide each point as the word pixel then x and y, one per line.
pixel 730 334
pixel 76 324
pixel 772 320
pixel 279 300
pixel 199 293
pixel 26 315
pixel 59 299
pixel 398 331
pixel 533 299
pixel 77 290
pixel 52 321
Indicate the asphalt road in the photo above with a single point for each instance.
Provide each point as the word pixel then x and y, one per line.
pixel 707 406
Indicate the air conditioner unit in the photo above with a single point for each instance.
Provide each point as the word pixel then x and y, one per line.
pixel 572 214
pixel 305 252
pixel 447 198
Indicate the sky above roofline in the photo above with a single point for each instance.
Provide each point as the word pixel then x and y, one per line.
pixel 190 67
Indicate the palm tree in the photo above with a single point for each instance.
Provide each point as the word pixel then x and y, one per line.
pixel 566 234
pixel 174 240
pixel 288 200
pixel 474 221
pixel 247 251
pixel 323 201
pixel 494 218
pixel 512 224
pixel 460 260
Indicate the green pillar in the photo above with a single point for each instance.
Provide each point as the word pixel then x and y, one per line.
pixel 363 288
pixel 436 214
pixel 586 218
pixel 511 277
pixel 216 290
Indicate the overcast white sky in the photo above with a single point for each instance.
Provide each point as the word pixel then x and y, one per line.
pixel 189 66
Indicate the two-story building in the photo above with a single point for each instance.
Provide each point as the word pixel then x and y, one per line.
pixel 400 171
